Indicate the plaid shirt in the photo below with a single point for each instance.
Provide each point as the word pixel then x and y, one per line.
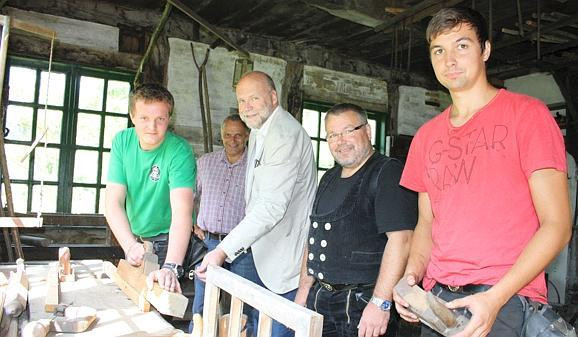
pixel 221 187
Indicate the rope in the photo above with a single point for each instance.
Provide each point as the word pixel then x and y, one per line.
pixel 45 127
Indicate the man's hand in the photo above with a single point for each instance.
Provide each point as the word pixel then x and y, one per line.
pixel 484 311
pixel 402 306
pixel 135 254
pixel 217 257
pixel 198 232
pixel 373 321
pixel 166 279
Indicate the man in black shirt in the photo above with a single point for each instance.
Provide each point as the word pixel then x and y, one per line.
pixel 360 232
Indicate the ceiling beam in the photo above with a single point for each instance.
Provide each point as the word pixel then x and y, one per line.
pixel 190 13
pixel 423 9
pixel 532 35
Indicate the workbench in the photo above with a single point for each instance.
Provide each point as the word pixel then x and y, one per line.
pixel 116 314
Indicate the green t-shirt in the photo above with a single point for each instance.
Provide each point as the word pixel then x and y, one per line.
pixel 149 177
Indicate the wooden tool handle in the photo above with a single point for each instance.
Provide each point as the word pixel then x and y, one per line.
pixel 38 328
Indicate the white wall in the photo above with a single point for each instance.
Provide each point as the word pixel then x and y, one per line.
pixel 413 111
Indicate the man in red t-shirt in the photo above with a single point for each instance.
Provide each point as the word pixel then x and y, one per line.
pixel 490 173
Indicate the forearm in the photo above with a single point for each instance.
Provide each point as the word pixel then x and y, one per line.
pixel 420 251
pixel 179 236
pixel 118 223
pixel 305 280
pixel 393 263
pixel 181 225
pixel 540 251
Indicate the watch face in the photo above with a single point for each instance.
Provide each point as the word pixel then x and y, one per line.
pixel 386 305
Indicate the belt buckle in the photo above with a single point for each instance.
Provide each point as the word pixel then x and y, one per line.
pixel 454 288
pixel 327 286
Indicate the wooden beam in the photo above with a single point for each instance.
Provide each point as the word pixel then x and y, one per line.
pixel 425 7
pixel 152 42
pixel 33 29
pixel 19 222
pixel 533 34
pixel 16 291
pixel 131 292
pixel 190 13
pixel 52 298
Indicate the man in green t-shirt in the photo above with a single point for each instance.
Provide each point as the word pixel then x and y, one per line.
pixel 150 189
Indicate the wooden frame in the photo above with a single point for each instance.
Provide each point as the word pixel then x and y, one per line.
pixel 270 305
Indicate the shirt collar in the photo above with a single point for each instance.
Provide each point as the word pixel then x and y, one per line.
pixel 239 162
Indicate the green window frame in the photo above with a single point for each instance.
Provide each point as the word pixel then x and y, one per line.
pixel 313 120
pixel 86 107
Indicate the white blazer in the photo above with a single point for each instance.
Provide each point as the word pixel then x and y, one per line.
pixel 279 199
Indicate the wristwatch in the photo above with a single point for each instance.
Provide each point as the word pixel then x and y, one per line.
pixel 382 304
pixel 175 268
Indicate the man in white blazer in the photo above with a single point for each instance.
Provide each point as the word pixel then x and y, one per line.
pixel 280 188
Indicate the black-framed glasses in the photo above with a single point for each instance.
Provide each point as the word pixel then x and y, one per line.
pixel 345 133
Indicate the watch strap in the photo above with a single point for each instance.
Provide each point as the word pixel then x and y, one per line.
pixel 177 269
pixel 384 305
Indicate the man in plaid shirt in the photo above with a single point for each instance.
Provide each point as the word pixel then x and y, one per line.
pixel 221 187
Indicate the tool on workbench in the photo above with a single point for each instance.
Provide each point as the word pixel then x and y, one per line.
pixel 65 271
pixel 17 291
pixel 69 319
pixel 431 310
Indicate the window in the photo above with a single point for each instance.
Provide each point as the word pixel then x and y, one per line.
pixel 313 120
pixel 85 109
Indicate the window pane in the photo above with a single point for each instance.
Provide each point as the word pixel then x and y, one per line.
pixel 325 158
pixel 54 124
pixel 83 200
pixel 105 161
pixel 49 197
pixel 19 197
pixel 46 163
pixel 91 90
pixel 117 97
pixel 322 133
pixel 22 84
pixel 19 122
pixel 311 122
pixel 373 125
pixel 314 144
pixel 101 201
pixel 112 125
pixel 16 169
pixel 88 130
pixel 85 167
pixel 57 84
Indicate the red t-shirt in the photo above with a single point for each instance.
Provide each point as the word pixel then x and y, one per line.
pixel 476 177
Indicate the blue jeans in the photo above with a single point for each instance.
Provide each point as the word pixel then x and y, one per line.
pixel 278 329
pixel 243 266
pixel 508 323
pixel 342 310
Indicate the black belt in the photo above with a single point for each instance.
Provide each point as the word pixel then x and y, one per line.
pixel 341 287
pixel 216 236
pixel 468 288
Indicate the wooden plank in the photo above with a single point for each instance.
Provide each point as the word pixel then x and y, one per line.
pixel 20 222
pixel 30 28
pixel 235 318
pixel 134 295
pixel 166 302
pixel 211 310
pixel 267 302
pixel 16 291
pixel 51 300
pixel 2 297
pixel 265 325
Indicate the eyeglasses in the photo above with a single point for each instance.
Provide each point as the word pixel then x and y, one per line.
pixel 345 133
